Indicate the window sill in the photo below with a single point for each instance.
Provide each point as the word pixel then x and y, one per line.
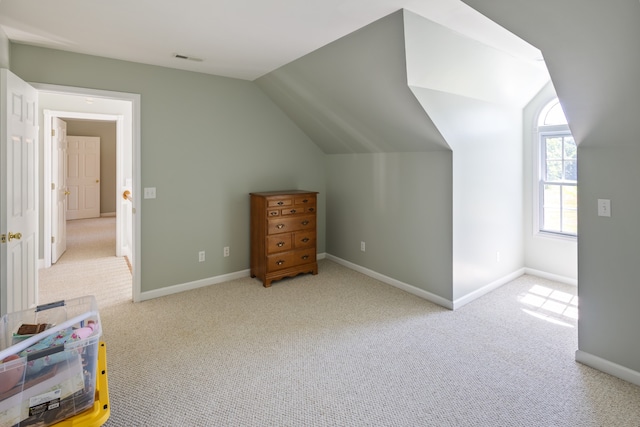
pixel 556 236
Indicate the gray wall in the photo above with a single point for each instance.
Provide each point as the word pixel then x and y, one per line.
pixel 400 205
pixel 4 49
pixel 388 167
pixel 595 73
pixel 207 142
pixel 106 131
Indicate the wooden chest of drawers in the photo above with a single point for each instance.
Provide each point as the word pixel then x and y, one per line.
pixel 283 234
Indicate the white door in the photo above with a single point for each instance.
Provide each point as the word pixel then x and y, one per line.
pixel 59 190
pixel 19 194
pixel 83 179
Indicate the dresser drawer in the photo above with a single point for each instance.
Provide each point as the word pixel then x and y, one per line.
pixel 279 243
pixel 283 225
pixel 304 239
pixel 279 202
pixel 296 210
pixel 306 200
pixel 290 259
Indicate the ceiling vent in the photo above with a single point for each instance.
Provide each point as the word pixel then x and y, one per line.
pixel 188 58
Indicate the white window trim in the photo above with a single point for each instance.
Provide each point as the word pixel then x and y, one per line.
pixel 540 132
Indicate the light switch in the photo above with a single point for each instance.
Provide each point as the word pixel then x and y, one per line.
pixel 150 193
pixel 604 207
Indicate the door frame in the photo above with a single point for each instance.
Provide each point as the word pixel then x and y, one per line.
pixel 134 99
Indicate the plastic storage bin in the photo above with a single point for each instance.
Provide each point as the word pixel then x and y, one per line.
pixel 48 376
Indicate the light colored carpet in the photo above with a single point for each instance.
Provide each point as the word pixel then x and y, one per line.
pixel 342 349
pixel 88 267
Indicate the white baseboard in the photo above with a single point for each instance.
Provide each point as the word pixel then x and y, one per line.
pixel 174 289
pixel 551 276
pixel 486 289
pixel 393 282
pixel 169 290
pixel 608 367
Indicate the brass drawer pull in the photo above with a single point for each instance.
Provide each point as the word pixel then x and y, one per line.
pixel 273 213
pixel 305 222
pixel 311 210
pixel 305 240
pixel 305 257
pixel 280 262
pixel 280 203
pixel 292 211
pixel 305 201
pixel 280 226
pixel 280 244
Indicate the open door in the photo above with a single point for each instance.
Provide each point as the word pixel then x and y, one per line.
pixel 59 190
pixel 18 194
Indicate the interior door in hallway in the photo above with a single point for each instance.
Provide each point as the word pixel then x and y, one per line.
pixel 59 191
pixel 18 194
pixel 83 178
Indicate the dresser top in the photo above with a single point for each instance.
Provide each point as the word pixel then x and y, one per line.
pixel 282 193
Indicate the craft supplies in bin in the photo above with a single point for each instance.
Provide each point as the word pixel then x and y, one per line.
pixel 48 361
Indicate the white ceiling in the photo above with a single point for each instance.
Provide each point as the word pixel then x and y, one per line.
pixel 235 38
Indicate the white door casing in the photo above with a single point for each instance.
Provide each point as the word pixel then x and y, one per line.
pixel 83 178
pixel 127 166
pixel 19 194
pixel 59 191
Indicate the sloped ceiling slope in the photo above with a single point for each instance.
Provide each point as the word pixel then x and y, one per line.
pixel 441 59
pixel 351 96
pixel 368 91
pixel 466 87
pixel 590 48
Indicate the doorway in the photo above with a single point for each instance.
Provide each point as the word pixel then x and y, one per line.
pixel 123 109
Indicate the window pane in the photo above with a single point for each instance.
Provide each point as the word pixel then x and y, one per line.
pixel 570 221
pixel 553 148
pixel 571 170
pixel 554 170
pixel 570 197
pixel 570 149
pixel 551 220
pixel 555 115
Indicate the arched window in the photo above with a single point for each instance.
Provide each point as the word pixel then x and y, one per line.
pixel 558 173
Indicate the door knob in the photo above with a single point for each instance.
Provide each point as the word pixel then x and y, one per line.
pixel 66 193
pixel 97 181
pixel 16 236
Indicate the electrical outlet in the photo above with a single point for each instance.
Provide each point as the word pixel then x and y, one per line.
pixel 201 256
pixel 362 246
pixel 225 251
pixel 150 192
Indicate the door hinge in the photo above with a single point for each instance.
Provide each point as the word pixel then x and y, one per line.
pixel 3 238
pixel 53 239
pixel 53 185
pixel 53 132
